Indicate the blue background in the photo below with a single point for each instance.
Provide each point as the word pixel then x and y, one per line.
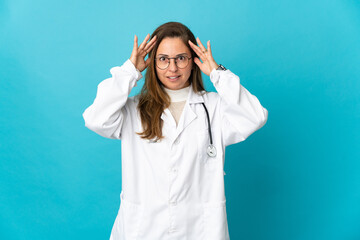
pixel 297 178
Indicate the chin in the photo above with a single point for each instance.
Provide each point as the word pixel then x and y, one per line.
pixel 175 85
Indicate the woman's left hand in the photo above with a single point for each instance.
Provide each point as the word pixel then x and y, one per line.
pixel 208 63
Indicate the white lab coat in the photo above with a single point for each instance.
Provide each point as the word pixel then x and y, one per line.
pixel 171 189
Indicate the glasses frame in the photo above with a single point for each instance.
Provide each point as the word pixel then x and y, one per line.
pixel 156 59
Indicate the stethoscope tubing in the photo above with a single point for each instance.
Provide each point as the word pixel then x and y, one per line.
pixel 208 122
pixel 211 150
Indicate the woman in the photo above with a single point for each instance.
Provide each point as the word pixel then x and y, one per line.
pixel 174 135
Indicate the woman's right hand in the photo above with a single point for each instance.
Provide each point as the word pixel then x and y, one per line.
pixel 139 53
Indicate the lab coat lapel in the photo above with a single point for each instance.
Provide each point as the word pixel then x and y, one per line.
pixel 187 116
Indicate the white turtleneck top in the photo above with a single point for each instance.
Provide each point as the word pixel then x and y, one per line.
pixel 178 99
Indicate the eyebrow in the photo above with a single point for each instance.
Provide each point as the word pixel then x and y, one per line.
pixel 168 55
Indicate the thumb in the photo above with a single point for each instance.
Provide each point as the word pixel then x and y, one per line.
pixel 147 62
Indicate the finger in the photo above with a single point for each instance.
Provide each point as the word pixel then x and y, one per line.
pixel 196 48
pixel 197 61
pixel 142 53
pixel 150 44
pixel 147 62
pixel 144 42
pixel 209 47
pixel 148 47
pixel 194 45
pixel 135 44
pixel 198 51
pixel 200 44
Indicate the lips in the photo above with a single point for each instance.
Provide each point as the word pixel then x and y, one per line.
pixel 174 79
pixel 174 76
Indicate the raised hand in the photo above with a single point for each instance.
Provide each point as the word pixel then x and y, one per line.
pixel 139 53
pixel 208 63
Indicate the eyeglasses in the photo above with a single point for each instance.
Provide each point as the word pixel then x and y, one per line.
pixel 164 62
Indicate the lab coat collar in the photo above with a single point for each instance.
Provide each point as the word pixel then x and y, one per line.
pixel 187 116
pixel 194 97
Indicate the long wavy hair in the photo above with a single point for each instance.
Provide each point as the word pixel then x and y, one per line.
pixel 153 99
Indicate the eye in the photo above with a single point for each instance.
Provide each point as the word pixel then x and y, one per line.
pixel 162 59
pixel 181 58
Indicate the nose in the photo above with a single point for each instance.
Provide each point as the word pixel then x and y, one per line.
pixel 172 66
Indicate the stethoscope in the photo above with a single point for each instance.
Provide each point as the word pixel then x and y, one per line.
pixel 211 150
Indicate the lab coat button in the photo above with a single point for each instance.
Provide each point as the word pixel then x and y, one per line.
pixel 173 171
pixel 171 230
pixel 172 203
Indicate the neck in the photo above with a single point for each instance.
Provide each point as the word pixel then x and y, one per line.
pixel 179 94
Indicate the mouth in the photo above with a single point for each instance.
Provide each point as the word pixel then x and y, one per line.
pixel 174 78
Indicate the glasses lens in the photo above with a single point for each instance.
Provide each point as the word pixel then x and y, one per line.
pixel 182 61
pixel 163 62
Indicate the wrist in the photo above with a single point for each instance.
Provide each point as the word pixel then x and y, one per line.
pixel 213 66
pixel 221 67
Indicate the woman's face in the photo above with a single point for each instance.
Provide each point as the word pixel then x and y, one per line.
pixel 171 47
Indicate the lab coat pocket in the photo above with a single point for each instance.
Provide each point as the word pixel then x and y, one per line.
pixel 215 221
pixel 130 215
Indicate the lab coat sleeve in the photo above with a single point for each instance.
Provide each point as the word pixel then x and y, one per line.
pixel 241 112
pixel 108 112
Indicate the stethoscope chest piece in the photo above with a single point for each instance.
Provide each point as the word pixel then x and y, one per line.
pixel 211 150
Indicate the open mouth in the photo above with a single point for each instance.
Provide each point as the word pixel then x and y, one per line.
pixel 174 78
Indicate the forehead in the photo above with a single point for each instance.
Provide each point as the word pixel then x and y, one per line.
pixel 172 47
